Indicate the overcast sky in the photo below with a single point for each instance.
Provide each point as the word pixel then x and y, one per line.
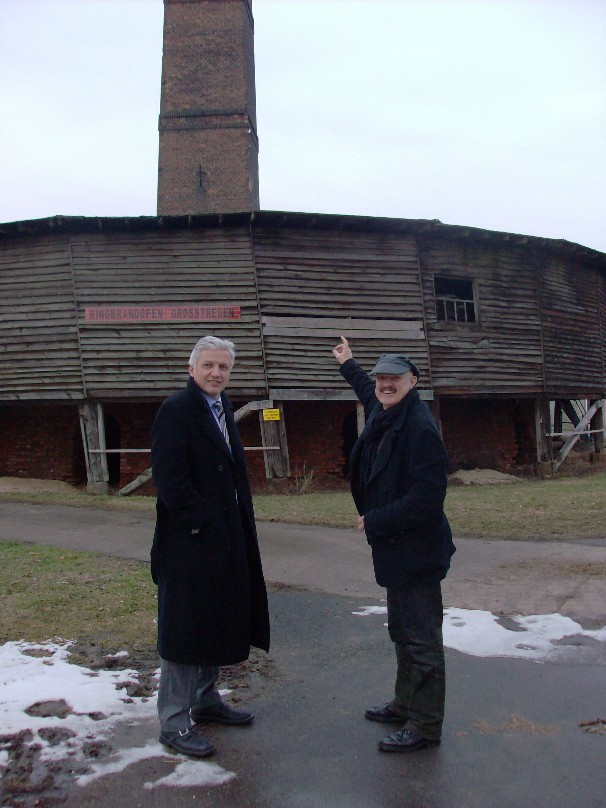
pixel 488 113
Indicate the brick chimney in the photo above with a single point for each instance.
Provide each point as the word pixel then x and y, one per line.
pixel 209 152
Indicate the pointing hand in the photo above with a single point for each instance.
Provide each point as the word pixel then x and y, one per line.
pixel 342 351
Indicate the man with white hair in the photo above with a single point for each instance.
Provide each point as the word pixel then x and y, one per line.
pixel 212 601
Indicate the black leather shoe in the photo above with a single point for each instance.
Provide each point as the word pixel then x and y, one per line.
pixel 188 743
pixel 384 714
pixel 220 714
pixel 405 740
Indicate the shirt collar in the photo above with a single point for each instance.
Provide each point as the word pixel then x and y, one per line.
pixel 210 400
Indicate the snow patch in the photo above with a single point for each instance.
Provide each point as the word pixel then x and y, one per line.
pixel 194 773
pixel 536 637
pixel 89 706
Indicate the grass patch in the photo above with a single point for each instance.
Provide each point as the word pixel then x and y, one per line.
pixel 101 605
pixel 565 508
pixel 81 499
pixel 47 592
pixel 559 508
pixel 332 508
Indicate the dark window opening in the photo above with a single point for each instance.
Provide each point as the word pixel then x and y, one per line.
pixel 454 300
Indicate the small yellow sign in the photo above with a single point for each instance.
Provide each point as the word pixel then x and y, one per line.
pixel 271 415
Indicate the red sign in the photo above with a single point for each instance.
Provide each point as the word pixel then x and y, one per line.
pixel 160 314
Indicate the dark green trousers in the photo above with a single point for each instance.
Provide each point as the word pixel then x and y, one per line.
pixel 414 620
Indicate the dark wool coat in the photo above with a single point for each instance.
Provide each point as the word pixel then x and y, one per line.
pixel 403 497
pixel 212 602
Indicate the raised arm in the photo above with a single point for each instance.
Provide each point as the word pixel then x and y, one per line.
pixel 363 386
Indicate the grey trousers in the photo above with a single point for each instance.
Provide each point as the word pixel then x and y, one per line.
pixel 181 688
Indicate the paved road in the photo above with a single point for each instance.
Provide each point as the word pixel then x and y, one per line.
pixel 511 736
pixel 512 577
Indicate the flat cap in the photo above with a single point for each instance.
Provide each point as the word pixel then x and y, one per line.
pixel 394 364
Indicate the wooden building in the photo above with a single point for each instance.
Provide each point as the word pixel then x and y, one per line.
pixel 98 317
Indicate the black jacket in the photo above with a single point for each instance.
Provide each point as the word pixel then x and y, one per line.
pixel 402 498
pixel 212 602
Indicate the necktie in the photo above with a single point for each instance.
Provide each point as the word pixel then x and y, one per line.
pixel 221 416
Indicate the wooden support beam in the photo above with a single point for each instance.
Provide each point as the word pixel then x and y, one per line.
pixel 136 483
pixel 102 442
pixel 273 433
pixel 93 441
pixel 250 407
pixel 569 410
pixel 575 435
pixel 557 416
pixel 283 443
pixel 598 422
pixel 542 420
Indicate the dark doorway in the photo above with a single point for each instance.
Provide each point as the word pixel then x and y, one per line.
pixel 350 436
pixel 78 460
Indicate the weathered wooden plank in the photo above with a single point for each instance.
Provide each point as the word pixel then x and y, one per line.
pixel 177 268
pixel 375 275
pixel 325 394
pixel 276 331
pixel 342 322
pixel 140 480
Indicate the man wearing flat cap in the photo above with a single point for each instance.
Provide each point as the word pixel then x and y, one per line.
pixel 399 471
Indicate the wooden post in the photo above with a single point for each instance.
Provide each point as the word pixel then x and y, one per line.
pixel 282 442
pixel 575 434
pixel 597 423
pixel 93 438
pixel 136 483
pixel 273 433
pixel 557 416
pixel 542 419
pixel 102 443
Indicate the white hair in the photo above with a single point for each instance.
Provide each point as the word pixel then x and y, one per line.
pixel 212 344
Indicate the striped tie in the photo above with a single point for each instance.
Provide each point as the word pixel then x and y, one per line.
pixel 221 416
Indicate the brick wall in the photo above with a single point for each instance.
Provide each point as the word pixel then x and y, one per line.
pixel 208 156
pixel 42 442
pixel 315 439
pixel 45 442
pixel 314 429
pixel 225 183
pixel 317 435
pixel 135 422
pixel 488 433
pixel 206 54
